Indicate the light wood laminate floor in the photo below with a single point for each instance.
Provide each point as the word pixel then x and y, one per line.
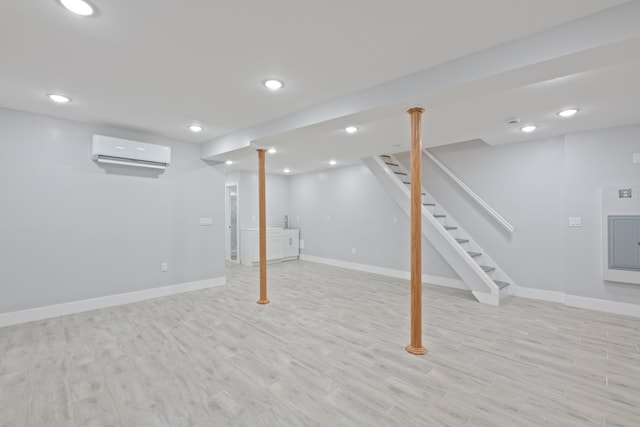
pixel 327 351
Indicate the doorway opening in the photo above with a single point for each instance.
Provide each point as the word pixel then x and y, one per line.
pixel 232 229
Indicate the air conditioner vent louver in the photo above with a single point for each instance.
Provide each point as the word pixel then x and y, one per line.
pixel 106 149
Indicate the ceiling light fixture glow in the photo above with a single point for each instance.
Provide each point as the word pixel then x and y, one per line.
pixel 287 170
pixel 60 99
pixel 273 84
pixel 351 129
pixel 228 162
pixel 528 128
pixel 195 128
pixel 271 151
pixel 79 7
pixel 568 112
pixel 332 162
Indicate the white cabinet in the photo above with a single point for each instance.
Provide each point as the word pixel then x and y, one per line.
pixel 282 244
pixel 291 244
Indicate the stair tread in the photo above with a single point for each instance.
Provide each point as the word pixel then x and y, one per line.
pixel 439 216
pixel 400 173
pixel 408 183
pixel 462 240
pixel 449 227
pixel 500 284
pixel 487 269
pixel 428 204
pixel 391 164
pixel 474 254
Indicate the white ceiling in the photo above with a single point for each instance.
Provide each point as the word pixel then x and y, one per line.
pixel 158 65
pixel 602 82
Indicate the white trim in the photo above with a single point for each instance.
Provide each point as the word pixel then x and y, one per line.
pixel 486 298
pixel 49 311
pixel 607 306
pixel 446 282
pixel 539 294
pixel 470 192
pixel 400 274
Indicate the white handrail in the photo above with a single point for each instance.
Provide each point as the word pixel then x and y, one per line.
pixel 470 192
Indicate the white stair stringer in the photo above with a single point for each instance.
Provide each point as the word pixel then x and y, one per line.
pixel 469 269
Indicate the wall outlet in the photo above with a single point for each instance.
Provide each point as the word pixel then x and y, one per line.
pixel 395 219
pixel 164 267
pixel 353 251
pixel 301 244
pixel 575 221
pixel 328 218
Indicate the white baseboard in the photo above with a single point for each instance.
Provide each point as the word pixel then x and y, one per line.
pixel 539 294
pixel 596 304
pixel 49 311
pixel 400 274
pixel 608 306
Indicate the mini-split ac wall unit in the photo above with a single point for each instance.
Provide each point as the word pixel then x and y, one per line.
pixel 106 149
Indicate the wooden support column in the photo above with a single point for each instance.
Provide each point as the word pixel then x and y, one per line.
pixel 416 233
pixel 262 224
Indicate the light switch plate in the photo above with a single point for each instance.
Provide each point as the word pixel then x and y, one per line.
pixel 206 221
pixel 575 221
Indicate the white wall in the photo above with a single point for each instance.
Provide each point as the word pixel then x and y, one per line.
pixel 537 186
pixel 277 198
pixel 344 208
pixel 594 160
pixel 524 183
pixel 73 230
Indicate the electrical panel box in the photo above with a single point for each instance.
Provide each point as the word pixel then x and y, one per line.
pixel 621 233
pixel 624 242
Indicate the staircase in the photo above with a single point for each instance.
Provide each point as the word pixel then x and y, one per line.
pixel 488 283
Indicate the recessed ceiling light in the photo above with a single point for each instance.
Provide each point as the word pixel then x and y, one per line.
pixel 79 7
pixel 351 129
pixel 287 170
pixel 195 128
pixel 60 99
pixel 228 162
pixel 568 112
pixel 271 151
pixel 273 84
pixel 528 128
pixel 332 162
